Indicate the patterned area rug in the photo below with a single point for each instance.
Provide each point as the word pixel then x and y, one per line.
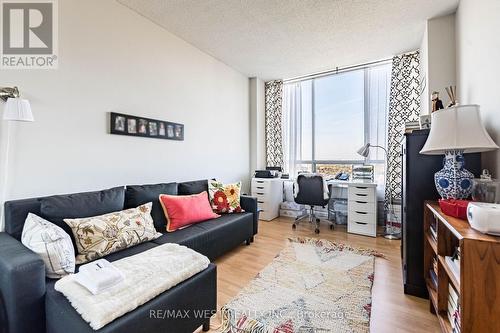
pixel 313 286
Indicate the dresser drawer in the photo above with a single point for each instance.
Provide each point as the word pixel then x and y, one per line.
pixel 362 228
pixel 263 205
pixel 358 216
pixel 260 191
pixel 365 194
pixel 263 187
pixel 361 206
pixel 261 183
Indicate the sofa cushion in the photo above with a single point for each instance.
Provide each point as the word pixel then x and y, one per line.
pixel 87 204
pixel 126 252
pixel 101 235
pixel 184 210
pixel 214 237
pixel 51 243
pixel 149 317
pixel 136 195
pixel 224 198
pixel 187 236
pixel 192 187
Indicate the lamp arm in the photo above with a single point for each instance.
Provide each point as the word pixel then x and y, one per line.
pixel 383 148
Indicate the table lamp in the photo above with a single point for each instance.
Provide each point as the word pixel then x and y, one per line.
pixel 455 131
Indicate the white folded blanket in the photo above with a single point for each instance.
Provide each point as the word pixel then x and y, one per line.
pixel 98 276
pixel 146 275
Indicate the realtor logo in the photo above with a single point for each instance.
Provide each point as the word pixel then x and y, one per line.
pixel 29 34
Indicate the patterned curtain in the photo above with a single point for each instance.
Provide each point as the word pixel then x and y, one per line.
pixel 274 146
pixel 404 106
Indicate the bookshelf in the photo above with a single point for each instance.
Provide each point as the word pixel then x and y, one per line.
pixel 477 280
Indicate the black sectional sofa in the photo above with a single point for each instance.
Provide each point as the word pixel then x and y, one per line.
pixel 30 304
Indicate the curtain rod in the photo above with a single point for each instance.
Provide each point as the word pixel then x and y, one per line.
pixel 336 71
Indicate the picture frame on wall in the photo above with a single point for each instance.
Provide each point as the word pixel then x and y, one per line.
pixel 130 125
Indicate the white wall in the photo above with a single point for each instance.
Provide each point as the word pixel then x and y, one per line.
pixel 112 59
pixel 438 59
pixel 257 125
pixel 478 71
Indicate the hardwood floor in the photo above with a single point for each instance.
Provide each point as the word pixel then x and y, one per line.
pixel 392 310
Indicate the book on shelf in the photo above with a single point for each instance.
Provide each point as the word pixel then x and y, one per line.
pixel 452 294
pixel 432 230
pixel 453 309
pixel 455 269
pixel 434 279
pixel 410 126
pixel 435 264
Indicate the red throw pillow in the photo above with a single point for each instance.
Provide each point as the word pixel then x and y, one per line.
pixel 183 210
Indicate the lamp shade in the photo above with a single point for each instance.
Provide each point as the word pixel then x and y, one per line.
pixel 364 151
pixel 457 128
pixel 18 109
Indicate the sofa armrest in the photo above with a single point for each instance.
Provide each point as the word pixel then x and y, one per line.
pixel 249 204
pixel 22 287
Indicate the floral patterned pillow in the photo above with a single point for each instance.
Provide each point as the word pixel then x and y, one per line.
pixel 224 198
pixel 101 235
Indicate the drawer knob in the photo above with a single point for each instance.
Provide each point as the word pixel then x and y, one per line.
pixel 361 202
pixel 362 223
pixel 361 212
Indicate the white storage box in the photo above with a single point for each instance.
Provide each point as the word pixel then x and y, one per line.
pixel 292 213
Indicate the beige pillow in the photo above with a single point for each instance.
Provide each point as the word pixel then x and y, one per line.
pixel 101 235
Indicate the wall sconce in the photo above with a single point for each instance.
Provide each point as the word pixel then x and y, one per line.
pixel 16 108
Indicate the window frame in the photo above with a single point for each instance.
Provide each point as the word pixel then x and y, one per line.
pixel 366 110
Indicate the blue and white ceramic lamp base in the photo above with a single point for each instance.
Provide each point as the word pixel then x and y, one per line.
pixel 454 181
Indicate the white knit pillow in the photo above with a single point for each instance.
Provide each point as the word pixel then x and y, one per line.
pixel 51 243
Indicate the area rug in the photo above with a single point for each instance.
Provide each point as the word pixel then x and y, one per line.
pixel 313 286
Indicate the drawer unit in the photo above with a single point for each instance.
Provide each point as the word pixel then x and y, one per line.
pixel 360 206
pixel 362 228
pixel 362 209
pixel 365 194
pixel 269 194
pixel 362 217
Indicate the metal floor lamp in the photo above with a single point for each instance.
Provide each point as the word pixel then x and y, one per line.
pixel 389 228
pixel 16 109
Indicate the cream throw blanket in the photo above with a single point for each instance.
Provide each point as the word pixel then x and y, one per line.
pixel 147 275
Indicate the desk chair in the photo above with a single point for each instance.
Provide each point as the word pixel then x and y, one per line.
pixel 310 192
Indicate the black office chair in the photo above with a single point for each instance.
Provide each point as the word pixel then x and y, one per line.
pixel 310 193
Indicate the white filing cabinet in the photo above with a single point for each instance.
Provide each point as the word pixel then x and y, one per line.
pixel 269 194
pixel 362 208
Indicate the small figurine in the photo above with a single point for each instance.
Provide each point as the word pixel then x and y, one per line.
pixel 452 93
pixel 437 104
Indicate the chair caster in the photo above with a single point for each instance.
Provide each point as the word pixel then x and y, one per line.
pixel 331 227
pixel 316 231
pixel 317 220
pixel 294 226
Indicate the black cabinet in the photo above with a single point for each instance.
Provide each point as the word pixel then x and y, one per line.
pixel 418 186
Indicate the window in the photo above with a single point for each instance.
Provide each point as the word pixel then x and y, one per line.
pixel 327 119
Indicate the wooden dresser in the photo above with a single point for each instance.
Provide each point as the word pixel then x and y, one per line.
pixel 477 283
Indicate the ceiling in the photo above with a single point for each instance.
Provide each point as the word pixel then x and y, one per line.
pixel 274 39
